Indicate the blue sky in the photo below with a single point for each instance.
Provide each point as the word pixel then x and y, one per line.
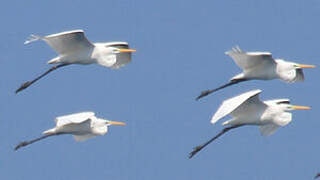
pixel 180 52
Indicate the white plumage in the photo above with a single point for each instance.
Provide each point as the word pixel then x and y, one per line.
pixel 74 48
pixel 248 109
pixel 261 66
pixel 82 126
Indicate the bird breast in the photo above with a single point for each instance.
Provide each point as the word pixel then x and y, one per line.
pixel 275 115
pixel 99 129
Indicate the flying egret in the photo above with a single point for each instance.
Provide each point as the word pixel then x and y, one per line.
pixel 74 48
pixel 261 66
pixel 248 109
pixel 82 126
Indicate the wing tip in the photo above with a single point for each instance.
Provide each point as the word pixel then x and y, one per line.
pixel 32 38
pixel 234 49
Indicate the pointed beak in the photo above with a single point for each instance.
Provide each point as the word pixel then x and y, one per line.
pixel 127 50
pixel 301 107
pixel 116 123
pixel 306 66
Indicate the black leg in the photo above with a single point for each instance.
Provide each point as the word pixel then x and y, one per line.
pixel 28 83
pixel 198 148
pixel 25 143
pixel 207 92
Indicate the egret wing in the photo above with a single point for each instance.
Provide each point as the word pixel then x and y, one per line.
pixel 248 60
pixel 73 118
pixel 121 58
pixel 268 129
pixel 68 42
pixel 232 104
pixel 299 76
pixel 80 138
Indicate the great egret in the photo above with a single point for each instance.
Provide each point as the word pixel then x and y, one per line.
pixel 74 48
pixel 82 126
pixel 261 66
pixel 248 109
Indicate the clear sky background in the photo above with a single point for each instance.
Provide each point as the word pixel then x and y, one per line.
pixel 180 52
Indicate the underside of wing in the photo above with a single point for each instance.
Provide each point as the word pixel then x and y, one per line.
pixel 230 105
pixel 80 138
pixel 248 60
pixel 73 118
pixel 299 76
pixel 268 129
pixel 121 58
pixel 68 42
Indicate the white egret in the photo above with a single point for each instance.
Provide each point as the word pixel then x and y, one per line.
pixel 261 66
pixel 82 126
pixel 74 48
pixel 248 109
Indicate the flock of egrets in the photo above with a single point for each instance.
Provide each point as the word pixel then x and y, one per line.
pixel 245 109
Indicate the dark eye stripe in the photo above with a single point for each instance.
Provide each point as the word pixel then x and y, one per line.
pixel 283 102
pixel 120 46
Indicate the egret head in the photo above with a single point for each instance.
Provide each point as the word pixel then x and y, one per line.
pixel 286 65
pixel 100 126
pixel 286 106
pixel 290 71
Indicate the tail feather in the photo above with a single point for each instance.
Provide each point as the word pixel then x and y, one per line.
pixel 32 38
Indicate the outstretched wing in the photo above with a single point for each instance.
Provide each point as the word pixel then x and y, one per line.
pixel 65 42
pixel 121 58
pixel 233 105
pixel 74 118
pixel 248 60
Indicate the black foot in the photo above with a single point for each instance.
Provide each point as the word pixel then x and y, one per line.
pixel 24 143
pixel 195 150
pixel 23 86
pixel 203 93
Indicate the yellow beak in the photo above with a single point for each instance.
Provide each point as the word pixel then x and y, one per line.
pixel 127 50
pixel 306 66
pixel 116 123
pixel 301 107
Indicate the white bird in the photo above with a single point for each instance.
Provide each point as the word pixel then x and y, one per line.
pixel 74 48
pixel 82 126
pixel 248 109
pixel 261 66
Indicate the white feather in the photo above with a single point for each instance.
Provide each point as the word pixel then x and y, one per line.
pixel 228 106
